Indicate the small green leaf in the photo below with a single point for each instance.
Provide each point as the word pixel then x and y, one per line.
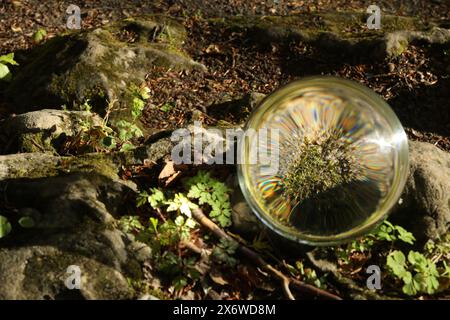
pixel 26 222
pixel 418 261
pixel 404 235
pixel 127 147
pixel 154 223
pixel 5 227
pixel 166 107
pixel 8 59
pixel 157 198
pixel 396 262
pixel 5 74
pixel 39 35
pixel 179 221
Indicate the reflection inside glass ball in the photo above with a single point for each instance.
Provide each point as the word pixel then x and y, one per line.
pixel 336 163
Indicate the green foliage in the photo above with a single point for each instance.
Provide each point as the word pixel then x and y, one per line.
pixel 419 274
pixel 172 225
pixel 224 251
pixel 128 130
pixel 166 107
pixel 165 237
pixel 86 106
pixel 310 276
pixel 315 165
pixel 5 227
pixel 140 96
pixel 214 193
pixel 181 203
pixel 386 232
pixel 130 224
pixel 40 35
pixel 5 73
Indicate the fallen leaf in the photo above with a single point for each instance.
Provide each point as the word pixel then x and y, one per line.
pixel 168 173
pixel 217 277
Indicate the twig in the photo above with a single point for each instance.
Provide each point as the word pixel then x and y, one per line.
pixel 259 261
pixel 158 211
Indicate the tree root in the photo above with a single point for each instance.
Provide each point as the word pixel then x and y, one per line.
pixel 286 281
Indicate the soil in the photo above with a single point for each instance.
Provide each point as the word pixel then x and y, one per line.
pixel 415 84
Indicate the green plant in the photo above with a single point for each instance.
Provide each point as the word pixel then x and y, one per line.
pixel 166 107
pixel 128 130
pixel 164 237
pixel 389 232
pixel 386 232
pixel 310 276
pixel 224 251
pixel 212 192
pixel 86 106
pixel 5 227
pixel 419 274
pixel 39 35
pixel 5 73
pixel 140 95
pixel 172 225
pixel 130 224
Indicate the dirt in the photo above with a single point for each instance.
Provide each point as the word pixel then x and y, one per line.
pixel 415 84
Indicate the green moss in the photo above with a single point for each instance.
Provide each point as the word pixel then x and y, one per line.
pixel 101 163
pixel 345 25
pixel 36 142
pixel 319 164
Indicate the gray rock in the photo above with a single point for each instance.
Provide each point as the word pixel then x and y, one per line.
pixel 244 220
pixel 74 218
pixel 37 131
pixel 424 208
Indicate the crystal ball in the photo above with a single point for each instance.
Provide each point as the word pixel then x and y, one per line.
pixel 322 160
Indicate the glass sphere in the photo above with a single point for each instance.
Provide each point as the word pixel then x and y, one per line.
pixel 323 160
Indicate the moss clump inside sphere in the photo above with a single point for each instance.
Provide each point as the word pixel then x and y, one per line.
pixel 316 164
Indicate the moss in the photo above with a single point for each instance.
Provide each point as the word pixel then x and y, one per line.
pixel 97 65
pixel 36 142
pixel 346 25
pixel 101 163
pixel 320 163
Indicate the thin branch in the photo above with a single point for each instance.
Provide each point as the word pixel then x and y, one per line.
pixel 286 281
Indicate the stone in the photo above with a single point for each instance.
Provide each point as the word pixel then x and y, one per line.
pixel 74 224
pixel 244 220
pixel 424 208
pixel 238 107
pixel 39 131
pixel 345 32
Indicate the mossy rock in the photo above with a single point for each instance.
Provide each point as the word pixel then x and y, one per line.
pixel 43 130
pixel 74 225
pixel 344 31
pixel 99 65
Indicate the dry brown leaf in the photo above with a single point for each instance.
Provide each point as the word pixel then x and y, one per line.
pixel 217 277
pixel 168 173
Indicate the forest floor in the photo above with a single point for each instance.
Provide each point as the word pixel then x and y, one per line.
pixel 416 83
